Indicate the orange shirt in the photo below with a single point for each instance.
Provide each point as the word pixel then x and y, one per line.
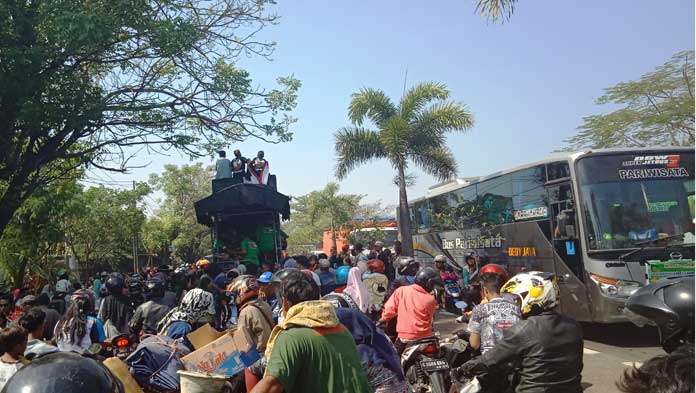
pixel 415 309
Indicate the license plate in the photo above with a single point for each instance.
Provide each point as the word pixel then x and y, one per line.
pixel 434 365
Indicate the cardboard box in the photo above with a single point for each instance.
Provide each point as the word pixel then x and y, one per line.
pixel 227 355
pixel 203 336
pixel 120 370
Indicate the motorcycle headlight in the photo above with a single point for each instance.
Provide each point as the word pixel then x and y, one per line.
pixel 615 288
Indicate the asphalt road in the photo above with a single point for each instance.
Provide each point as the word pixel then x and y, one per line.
pixel 609 350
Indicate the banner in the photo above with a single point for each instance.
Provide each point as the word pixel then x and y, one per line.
pixel 657 270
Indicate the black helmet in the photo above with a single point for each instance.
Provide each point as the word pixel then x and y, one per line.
pixel 64 372
pixel 668 303
pixel 155 287
pixel 340 300
pixel 281 274
pixel 428 278
pixel 115 283
pixel 405 264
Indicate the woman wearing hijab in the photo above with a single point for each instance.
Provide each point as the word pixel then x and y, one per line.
pixel 196 308
pixel 357 290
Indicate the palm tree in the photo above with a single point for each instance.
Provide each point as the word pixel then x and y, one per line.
pixel 412 132
pixel 496 10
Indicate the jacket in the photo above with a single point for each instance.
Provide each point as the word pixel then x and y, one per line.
pixel 415 308
pixel 548 347
pixel 148 315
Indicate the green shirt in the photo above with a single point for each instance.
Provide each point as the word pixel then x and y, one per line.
pixel 266 236
pixel 252 251
pixel 317 360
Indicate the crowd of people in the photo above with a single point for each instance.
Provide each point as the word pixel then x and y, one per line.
pixel 322 323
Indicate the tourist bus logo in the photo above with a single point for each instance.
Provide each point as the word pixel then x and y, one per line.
pixel 669 161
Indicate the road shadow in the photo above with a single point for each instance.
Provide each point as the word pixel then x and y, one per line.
pixel 625 335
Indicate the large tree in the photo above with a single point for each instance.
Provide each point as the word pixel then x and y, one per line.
pixel 91 83
pixel 412 132
pixel 174 224
pixel 655 110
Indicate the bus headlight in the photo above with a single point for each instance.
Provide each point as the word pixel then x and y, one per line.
pixel 615 288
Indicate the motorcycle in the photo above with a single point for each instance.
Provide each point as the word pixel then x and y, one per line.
pixel 121 346
pixel 453 293
pixel 425 367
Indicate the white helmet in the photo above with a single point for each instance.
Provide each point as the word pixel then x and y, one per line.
pixel 537 290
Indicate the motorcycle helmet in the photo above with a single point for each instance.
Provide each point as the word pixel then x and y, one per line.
pixel 340 300
pixel 428 278
pixel 375 266
pixel 63 286
pixel 281 274
pixel 496 269
pixel 440 258
pixel 407 265
pixel 115 283
pixel 669 304
pixel 243 288
pixel 538 291
pixel 87 295
pixel 155 287
pixel 201 263
pixel 342 275
pixel 64 372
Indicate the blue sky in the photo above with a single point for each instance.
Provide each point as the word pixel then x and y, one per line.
pixel 528 82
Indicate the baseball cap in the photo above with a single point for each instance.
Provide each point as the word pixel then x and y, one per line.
pixel 265 277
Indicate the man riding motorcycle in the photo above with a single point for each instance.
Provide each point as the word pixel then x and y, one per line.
pixel 415 306
pixel 148 314
pixel 547 345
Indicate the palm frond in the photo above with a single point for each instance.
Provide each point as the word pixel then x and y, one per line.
pixel 436 161
pixel 420 95
pixel 356 146
pixel 430 126
pixel 372 104
pixel 496 10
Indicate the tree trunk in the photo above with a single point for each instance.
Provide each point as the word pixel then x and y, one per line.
pixel 333 235
pixel 404 217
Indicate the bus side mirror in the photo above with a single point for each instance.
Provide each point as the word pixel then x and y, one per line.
pixel 565 222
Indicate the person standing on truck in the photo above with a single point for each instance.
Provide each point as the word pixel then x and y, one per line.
pixel 223 167
pixel 239 167
pixel 250 251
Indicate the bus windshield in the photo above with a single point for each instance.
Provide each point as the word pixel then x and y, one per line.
pixel 629 200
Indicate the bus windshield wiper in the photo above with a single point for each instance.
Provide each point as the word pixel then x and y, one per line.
pixel 643 244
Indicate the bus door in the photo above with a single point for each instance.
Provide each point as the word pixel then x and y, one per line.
pixel 567 256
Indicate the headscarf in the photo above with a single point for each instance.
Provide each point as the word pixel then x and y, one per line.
pixel 357 289
pixel 373 346
pixel 195 303
pixel 311 314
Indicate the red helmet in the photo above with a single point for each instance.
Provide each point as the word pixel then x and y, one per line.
pixel 376 265
pixel 496 269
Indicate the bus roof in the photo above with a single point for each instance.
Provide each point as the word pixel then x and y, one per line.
pixel 455 184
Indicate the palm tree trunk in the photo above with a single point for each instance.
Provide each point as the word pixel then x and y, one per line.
pixel 404 217
pixel 333 234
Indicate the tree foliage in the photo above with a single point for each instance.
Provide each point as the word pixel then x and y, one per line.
pixel 100 227
pixel 174 225
pixel 412 132
pixel 655 110
pixel 94 82
pixel 320 210
pixel 496 10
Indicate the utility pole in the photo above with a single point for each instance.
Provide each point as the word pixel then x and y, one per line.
pixel 135 240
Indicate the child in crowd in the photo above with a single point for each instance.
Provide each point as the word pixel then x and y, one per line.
pixel 13 342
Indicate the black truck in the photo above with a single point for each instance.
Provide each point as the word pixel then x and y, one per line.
pixel 236 211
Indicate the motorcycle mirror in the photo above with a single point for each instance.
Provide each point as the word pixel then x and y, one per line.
pixel 460 305
pixel 94 349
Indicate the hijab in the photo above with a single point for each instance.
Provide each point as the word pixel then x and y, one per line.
pixel 373 346
pixel 193 306
pixel 357 289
